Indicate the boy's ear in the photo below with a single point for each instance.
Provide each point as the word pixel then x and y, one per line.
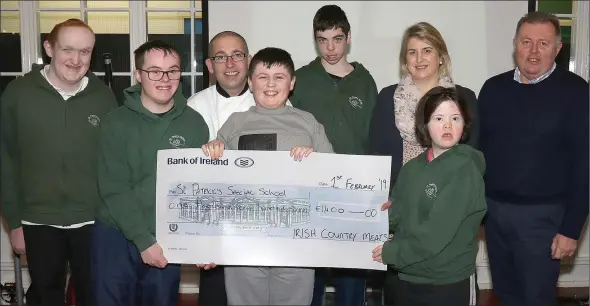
pixel 249 83
pixel 138 76
pixel 292 83
pixel 48 48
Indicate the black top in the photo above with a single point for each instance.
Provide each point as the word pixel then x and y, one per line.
pixel 385 138
pixel 535 141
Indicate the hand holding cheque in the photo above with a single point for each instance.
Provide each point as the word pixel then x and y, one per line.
pixel 259 208
pixel 214 149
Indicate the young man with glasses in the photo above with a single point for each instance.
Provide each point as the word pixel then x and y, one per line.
pixel 128 266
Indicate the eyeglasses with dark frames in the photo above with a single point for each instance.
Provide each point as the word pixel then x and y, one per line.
pixel 236 57
pixel 156 75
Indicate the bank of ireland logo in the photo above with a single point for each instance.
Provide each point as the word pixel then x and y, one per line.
pixel 244 162
pixel 431 190
pixel 173 227
pixel 94 120
pixel 177 141
pixel 355 102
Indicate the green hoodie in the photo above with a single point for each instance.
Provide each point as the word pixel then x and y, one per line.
pixel 49 148
pixel 437 208
pixel 344 108
pixel 131 138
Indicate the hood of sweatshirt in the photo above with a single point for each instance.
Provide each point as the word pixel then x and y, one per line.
pixel 315 67
pixel 455 161
pixel 94 83
pixel 472 154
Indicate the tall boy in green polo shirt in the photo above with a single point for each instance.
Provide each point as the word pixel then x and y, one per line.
pixel 341 96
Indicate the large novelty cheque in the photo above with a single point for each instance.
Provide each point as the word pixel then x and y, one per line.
pixel 261 208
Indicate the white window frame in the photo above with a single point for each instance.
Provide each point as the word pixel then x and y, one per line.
pixel 22 46
pixel 571 16
pixel 579 51
pixel 30 33
pixel 192 10
pixel 580 39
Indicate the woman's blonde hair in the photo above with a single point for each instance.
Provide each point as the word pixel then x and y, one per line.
pixel 426 32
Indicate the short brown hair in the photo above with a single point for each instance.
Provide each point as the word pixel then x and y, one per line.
pixel 73 22
pixel 330 17
pixel 426 32
pixel 540 18
pixel 428 104
pixel 146 47
pixel 269 57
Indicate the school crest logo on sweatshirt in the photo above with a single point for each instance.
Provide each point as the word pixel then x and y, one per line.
pixel 355 102
pixel 431 190
pixel 94 120
pixel 177 141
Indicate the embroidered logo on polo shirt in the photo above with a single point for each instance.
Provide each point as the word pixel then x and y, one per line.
pixel 431 190
pixel 177 141
pixel 355 102
pixel 94 120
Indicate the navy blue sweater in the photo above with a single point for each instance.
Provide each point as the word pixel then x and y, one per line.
pixel 535 141
pixel 385 138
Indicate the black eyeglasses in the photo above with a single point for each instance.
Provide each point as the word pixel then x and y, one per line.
pixel 156 75
pixel 236 57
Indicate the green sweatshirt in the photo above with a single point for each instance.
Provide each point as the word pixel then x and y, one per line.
pixel 48 150
pixel 131 138
pixel 343 107
pixel 437 208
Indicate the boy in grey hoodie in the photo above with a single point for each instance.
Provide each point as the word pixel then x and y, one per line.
pixel 271 125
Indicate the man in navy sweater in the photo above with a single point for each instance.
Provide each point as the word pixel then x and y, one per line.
pixel 534 135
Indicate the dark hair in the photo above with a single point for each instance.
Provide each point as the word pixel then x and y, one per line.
pixel 272 57
pixel 152 45
pixel 540 17
pixel 428 104
pixel 330 17
pixel 227 34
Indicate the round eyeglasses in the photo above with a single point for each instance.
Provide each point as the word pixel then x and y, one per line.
pixel 156 75
pixel 236 57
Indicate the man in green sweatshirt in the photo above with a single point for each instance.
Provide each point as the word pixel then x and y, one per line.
pixel 341 96
pixel 51 121
pixel 129 267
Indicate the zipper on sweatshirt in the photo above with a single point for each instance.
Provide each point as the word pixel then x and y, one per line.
pixel 63 156
pixel 334 104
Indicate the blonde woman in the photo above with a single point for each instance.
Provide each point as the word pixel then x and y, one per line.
pixel 425 63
